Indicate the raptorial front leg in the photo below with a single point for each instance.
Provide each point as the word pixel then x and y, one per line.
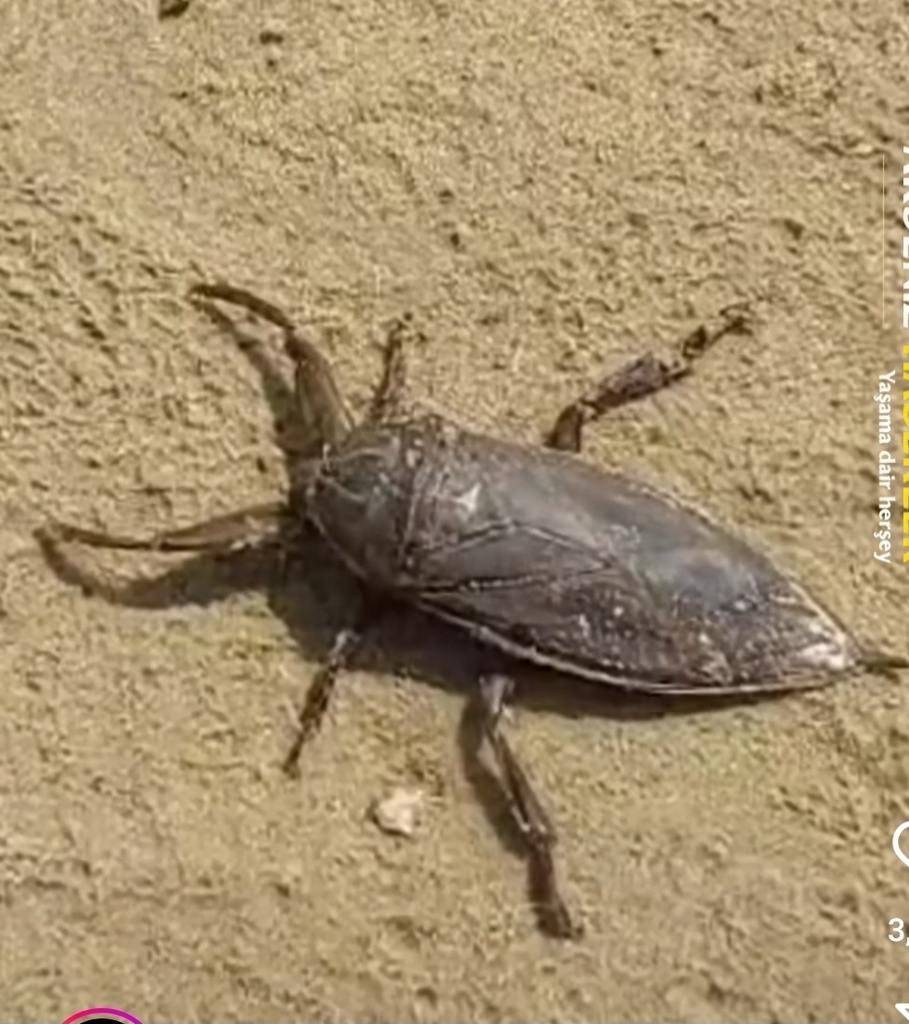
pixel 642 377
pixel 528 814
pixel 318 697
pixel 257 525
pixel 319 402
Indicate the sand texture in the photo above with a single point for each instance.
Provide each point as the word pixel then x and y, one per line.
pixel 549 188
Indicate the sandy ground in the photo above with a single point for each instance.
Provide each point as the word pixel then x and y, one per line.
pixel 550 189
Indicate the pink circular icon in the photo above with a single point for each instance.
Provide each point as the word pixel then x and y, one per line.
pixel 102 1013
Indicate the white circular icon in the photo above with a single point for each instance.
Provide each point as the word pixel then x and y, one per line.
pixel 896 843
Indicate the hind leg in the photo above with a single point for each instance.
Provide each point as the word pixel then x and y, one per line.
pixel 528 814
pixel 641 377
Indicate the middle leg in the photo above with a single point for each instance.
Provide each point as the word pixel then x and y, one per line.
pixel 388 400
pixel 347 644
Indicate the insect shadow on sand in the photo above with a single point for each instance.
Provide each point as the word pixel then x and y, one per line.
pixel 276 549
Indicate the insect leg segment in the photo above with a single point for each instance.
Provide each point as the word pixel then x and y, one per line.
pixel 526 806
pixel 527 811
pixel 318 697
pixel 640 378
pixel 320 404
pixel 388 399
pixel 257 525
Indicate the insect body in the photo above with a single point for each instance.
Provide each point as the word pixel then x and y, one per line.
pixel 532 552
pixel 542 555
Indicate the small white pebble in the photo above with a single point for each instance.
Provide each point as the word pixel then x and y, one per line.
pixel 397 814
